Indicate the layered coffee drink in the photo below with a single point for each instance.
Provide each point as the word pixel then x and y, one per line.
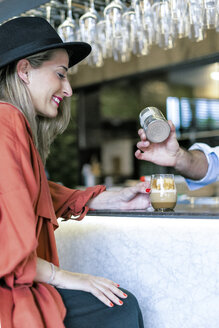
pixel 163 192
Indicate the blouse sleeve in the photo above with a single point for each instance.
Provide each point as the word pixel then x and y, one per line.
pixel 17 218
pixel 70 202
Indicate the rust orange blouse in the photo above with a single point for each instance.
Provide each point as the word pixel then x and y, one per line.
pixel 29 208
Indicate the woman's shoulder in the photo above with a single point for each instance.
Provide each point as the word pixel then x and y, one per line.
pixel 11 114
pixel 12 120
pixel 9 109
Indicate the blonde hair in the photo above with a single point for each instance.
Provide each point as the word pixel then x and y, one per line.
pixel 14 91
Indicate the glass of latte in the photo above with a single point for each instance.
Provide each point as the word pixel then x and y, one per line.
pixel 163 192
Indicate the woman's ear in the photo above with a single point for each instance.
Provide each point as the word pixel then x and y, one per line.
pixel 23 67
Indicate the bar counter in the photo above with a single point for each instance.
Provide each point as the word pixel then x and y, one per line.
pixel 186 211
pixel 169 260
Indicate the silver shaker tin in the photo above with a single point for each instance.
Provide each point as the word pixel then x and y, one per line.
pixel 154 124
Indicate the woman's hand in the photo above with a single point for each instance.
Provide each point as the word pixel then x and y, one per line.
pixel 164 153
pixel 130 198
pixel 104 289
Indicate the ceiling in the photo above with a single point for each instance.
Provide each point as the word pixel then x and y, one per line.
pixel 10 8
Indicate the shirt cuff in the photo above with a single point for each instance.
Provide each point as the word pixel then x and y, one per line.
pixel 213 166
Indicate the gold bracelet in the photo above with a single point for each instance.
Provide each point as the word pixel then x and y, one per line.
pixel 52 277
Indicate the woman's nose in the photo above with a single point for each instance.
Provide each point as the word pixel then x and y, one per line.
pixel 67 90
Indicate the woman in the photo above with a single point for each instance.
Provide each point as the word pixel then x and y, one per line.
pixel 34 291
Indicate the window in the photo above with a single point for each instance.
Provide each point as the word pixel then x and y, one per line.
pixel 193 114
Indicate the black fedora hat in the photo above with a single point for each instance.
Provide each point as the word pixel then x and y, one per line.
pixel 24 36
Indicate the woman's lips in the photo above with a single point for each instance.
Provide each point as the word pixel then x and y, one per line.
pixel 57 100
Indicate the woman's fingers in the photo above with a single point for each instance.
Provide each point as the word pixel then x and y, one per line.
pixel 109 295
pixel 130 193
pixel 113 287
pixel 107 291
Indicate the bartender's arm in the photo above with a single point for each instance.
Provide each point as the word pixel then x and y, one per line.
pixel 192 164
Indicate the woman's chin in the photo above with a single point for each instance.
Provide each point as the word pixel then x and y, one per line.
pixel 52 113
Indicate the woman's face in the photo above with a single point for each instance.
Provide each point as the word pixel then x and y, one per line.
pixel 49 84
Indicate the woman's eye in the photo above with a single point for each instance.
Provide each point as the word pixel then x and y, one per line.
pixel 61 76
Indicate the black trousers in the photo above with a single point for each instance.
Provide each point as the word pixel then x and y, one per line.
pixel 85 311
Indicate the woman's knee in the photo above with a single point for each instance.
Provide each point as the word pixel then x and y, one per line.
pixel 130 312
pixel 131 300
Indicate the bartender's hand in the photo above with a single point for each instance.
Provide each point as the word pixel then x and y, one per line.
pixel 130 198
pixel 164 153
pixel 192 164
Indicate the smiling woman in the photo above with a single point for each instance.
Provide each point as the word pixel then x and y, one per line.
pixel 38 78
pixel 34 290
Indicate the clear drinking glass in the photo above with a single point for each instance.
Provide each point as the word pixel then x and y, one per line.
pixel 163 24
pixel 210 13
pixel 114 30
pixel 163 192
pixel 196 15
pixel 88 29
pixel 148 22
pixel 67 29
pixel 101 36
pixel 180 20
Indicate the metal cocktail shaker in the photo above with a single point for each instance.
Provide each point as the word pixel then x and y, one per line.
pixel 154 124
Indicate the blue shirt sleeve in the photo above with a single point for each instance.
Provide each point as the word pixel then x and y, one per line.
pixel 213 167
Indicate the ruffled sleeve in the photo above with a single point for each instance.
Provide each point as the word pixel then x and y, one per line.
pixel 69 202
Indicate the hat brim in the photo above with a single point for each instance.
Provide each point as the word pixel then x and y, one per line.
pixel 77 51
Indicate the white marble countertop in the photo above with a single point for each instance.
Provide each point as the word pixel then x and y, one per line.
pixel 171 265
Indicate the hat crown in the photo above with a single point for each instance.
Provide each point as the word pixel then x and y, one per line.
pixel 24 36
pixel 23 30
